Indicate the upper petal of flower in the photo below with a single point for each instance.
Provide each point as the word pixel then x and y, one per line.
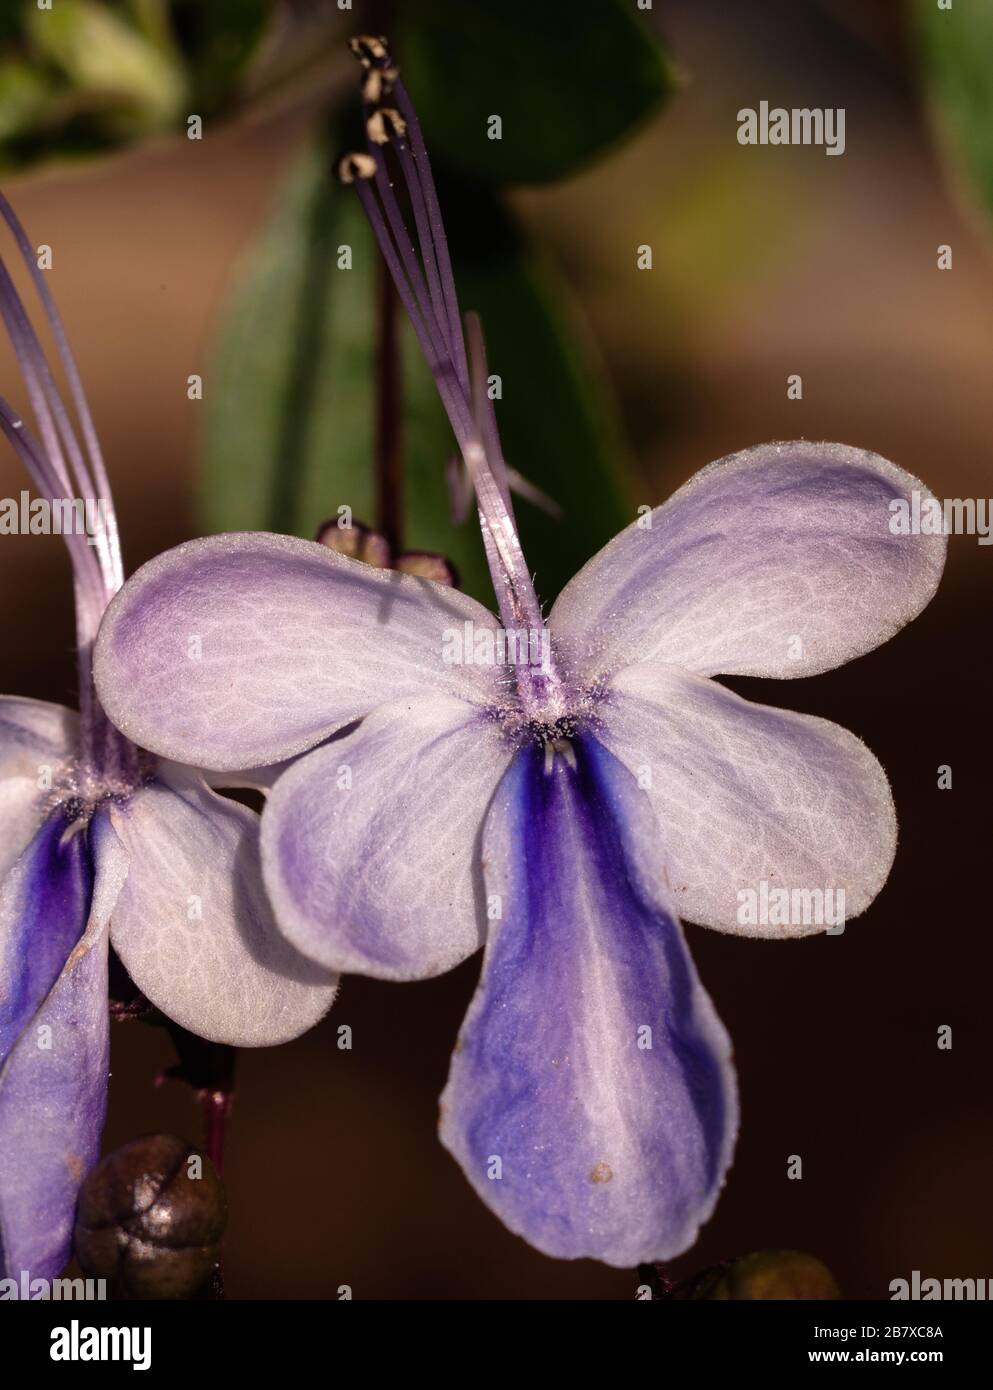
pixel 35 736
pixel 53 1089
pixel 193 925
pixel 745 793
pixel 591 1099
pixel 777 561
pixel 245 649
pixel 370 845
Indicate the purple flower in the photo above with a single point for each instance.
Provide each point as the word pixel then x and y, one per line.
pixel 102 842
pixel 566 808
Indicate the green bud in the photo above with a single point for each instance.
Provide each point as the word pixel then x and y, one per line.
pixel 766 1274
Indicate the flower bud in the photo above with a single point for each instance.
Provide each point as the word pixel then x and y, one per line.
pixel 360 542
pixel 357 541
pixel 150 1219
pixel 426 564
pixel 766 1274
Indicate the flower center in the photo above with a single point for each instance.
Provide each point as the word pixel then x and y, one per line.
pixel 522 724
pixel 78 791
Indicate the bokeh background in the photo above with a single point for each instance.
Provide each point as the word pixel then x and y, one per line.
pixel 767 262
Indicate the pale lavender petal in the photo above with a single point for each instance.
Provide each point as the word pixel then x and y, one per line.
pixel 778 561
pixel 242 650
pixel 36 741
pixel 53 1090
pixel 591 1099
pixel 745 795
pixel 370 845
pixel 193 925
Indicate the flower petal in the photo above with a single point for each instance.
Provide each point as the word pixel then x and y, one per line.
pixel 778 561
pixel 241 650
pixel 591 1099
pixel 747 794
pixel 36 740
pixel 53 1089
pixel 370 845
pixel 256 779
pixel 44 906
pixel 193 925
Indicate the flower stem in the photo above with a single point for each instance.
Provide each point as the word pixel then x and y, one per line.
pixel 209 1069
pixel 216 1107
pixel 651 1275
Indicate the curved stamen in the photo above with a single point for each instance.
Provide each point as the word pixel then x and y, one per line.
pixel 63 473
pixel 85 568
pixel 53 419
pixel 425 182
pixel 92 443
pixel 485 463
pixel 431 300
pixel 88 587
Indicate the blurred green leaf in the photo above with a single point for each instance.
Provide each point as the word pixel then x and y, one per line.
pixel 289 433
pixel 566 80
pixel 105 59
pixel 11 23
pixel 219 38
pixel 957 59
pixel 87 75
pixel 24 95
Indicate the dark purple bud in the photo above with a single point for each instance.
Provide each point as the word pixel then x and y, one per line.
pixel 150 1220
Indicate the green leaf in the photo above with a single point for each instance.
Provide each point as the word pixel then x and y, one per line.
pixel 566 80
pixel 290 394
pixel 24 96
pixel 956 48
pixel 106 60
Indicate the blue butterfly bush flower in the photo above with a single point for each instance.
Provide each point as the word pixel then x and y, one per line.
pixel 101 841
pixel 565 810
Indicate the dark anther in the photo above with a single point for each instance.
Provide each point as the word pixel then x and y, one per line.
pixel 385 123
pixel 377 84
pixel 551 731
pixel 370 49
pixel 356 166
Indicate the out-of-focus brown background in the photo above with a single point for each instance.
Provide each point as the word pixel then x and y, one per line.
pixel 767 262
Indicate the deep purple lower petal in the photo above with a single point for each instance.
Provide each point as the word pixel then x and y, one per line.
pixel 591 1099
pixel 44 904
pixel 53 1088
